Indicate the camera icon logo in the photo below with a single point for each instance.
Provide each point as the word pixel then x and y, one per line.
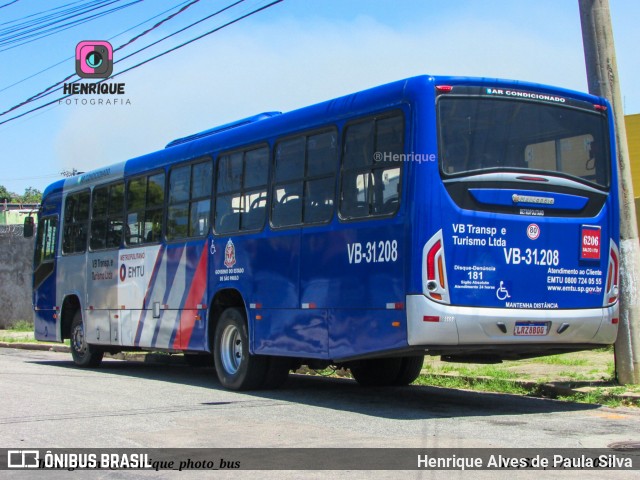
pixel 94 59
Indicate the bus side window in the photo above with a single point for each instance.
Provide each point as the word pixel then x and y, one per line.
pixel 320 178
pixel 45 249
pixel 304 184
pixel 189 200
pixel 145 209
pixel 99 209
pixel 76 218
pixel 254 196
pixel 115 216
pixel 287 189
pixel 370 183
pixel 107 207
pixel 241 190
pixel 46 240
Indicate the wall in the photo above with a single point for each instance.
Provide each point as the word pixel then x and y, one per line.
pixel 16 257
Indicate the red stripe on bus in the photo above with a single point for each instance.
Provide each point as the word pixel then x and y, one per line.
pixel 196 292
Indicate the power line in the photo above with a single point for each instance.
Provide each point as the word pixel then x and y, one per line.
pixel 158 24
pixel 46 11
pixel 238 2
pixel 49 90
pixel 196 38
pixel 71 57
pixel 217 29
pixel 42 17
pixel 61 28
pixel 7 4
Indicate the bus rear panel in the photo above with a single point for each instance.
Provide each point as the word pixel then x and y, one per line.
pixel 520 256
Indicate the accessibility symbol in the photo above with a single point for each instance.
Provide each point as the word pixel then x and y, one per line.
pixel 502 293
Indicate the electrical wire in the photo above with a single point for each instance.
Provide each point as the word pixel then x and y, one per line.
pixel 157 24
pixel 217 29
pixel 109 39
pixel 238 2
pixel 47 91
pixel 51 31
pixel 43 17
pixel 7 4
pixel 195 39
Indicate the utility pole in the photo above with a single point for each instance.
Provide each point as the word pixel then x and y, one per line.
pixel 602 76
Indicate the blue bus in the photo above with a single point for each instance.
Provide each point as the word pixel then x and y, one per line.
pixel 471 218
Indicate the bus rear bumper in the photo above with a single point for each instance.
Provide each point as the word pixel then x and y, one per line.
pixel 430 323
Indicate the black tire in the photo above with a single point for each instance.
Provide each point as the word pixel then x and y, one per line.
pixel 198 360
pixel 237 369
pixel 377 372
pixel 277 373
pixel 410 369
pixel 84 354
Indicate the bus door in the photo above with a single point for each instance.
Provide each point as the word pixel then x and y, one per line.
pixel 44 278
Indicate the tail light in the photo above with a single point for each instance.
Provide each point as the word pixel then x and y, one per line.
pixel 613 277
pixel 434 276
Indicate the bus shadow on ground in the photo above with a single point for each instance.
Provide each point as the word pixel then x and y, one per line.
pixel 407 403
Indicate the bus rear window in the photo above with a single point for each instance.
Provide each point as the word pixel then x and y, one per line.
pixel 478 134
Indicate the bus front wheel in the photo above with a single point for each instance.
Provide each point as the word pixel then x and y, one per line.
pixel 237 369
pixel 84 355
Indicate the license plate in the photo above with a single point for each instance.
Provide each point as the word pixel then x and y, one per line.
pixel 531 329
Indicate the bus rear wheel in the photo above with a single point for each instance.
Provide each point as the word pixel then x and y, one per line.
pixel 83 354
pixel 409 370
pixel 383 372
pixel 237 369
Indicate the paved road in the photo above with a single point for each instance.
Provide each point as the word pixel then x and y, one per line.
pixel 48 403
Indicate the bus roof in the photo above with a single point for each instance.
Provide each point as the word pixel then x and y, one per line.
pixel 264 126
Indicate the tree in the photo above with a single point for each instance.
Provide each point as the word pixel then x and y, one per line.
pixel 31 195
pixel 5 194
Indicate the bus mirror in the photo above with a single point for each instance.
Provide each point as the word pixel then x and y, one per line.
pixel 28 227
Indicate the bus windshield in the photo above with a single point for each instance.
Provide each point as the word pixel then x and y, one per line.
pixel 478 134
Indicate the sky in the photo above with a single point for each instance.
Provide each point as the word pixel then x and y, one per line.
pixel 293 54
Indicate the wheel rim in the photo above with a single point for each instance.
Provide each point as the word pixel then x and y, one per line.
pixel 77 339
pixel 231 349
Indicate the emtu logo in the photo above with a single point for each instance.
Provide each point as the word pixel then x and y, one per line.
pixel 94 59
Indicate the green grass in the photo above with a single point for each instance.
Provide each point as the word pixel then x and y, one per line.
pixel 26 340
pixel 468 383
pixel 492 371
pixel 562 360
pixel 575 376
pixel 599 396
pixel 21 326
pixel 602 396
pixel 605 349
pixel 17 340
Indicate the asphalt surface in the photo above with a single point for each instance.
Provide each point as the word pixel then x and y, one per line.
pixel 547 390
pixel 50 403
